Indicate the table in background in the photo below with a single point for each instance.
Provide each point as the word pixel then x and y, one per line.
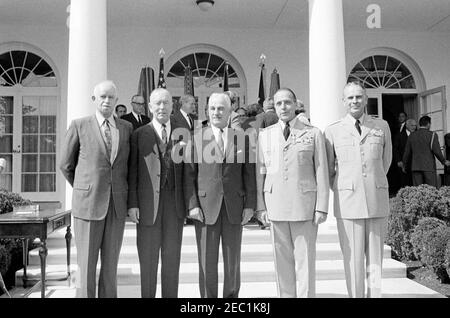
pixel 39 224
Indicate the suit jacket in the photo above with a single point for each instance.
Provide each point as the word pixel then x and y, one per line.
pixel 130 118
pixel 87 167
pixel 419 153
pixel 217 177
pixel 400 140
pixel 235 121
pixel 292 175
pixel 145 173
pixel 178 118
pixel 358 165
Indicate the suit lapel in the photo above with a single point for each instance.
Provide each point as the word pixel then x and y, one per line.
pixel 121 137
pixel 98 136
pixel 297 131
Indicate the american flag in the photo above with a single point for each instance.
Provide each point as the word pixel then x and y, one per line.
pixel 225 77
pixel 161 81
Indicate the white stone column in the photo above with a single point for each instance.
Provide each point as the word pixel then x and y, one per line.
pixel 327 72
pixel 87 59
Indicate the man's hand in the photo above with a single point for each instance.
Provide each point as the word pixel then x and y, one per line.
pixel 447 163
pixel 133 213
pixel 319 217
pixel 400 164
pixel 263 218
pixel 196 214
pixel 247 215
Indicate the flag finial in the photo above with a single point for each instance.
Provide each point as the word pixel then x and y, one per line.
pixel 161 52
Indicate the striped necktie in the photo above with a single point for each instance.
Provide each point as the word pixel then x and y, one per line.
pixel 107 135
pixel 164 134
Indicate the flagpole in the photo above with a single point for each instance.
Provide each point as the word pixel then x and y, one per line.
pixel 262 86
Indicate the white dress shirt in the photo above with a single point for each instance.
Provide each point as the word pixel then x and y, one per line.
pixel 216 132
pixel 186 116
pixel 137 116
pixel 158 128
pixel 114 133
pixel 283 124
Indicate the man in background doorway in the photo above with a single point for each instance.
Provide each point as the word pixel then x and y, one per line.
pixel 421 149
pixel 405 178
pixel 136 116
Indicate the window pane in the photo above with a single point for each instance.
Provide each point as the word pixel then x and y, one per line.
pixel 47 163
pixel 9 124
pixel 48 144
pixel 6 181
pixel 30 124
pixel 29 144
pixel 30 105
pixel 9 163
pixel 372 106
pixel 8 104
pixel 29 163
pixel 6 144
pixel 48 124
pixel 29 183
pixel 47 183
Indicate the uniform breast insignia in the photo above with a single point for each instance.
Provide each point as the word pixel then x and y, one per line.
pixel 376 132
pixel 306 139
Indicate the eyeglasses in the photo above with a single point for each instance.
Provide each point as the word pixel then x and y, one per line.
pixel 138 103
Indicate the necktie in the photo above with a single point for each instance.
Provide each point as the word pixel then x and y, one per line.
pixel 191 122
pixel 139 120
pixel 220 141
pixel 107 135
pixel 358 128
pixel 286 131
pixel 164 134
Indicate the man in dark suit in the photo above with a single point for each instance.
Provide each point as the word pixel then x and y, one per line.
pixel 156 201
pixel 220 192
pixel 399 149
pixel 234 119
pixel 136 116
pixel 95 163
pixel 185 117
pixel 269 117
pixel 421 149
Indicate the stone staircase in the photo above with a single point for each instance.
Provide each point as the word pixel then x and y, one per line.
pixel 257 267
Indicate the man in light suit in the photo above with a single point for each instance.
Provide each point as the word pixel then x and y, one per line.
pixel 359 151
pixel 95 163
pixel 292 183
pixel 220 194
pixel 156 202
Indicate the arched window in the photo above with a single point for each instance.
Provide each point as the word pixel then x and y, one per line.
pixel 25 68
pixel 29 108
pixel 207 69
pixel 382 71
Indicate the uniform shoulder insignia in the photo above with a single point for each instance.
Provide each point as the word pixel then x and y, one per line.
pixel 335 122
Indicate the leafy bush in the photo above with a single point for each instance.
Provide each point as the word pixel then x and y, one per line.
pixel 447 258
pixel 424 227
pixel 5 260
pixel 407 208
pixel 433 250
pixel 10 249
pixel 444 213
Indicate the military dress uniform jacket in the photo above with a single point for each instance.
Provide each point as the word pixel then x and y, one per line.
pixel 358 165
pixel 292 175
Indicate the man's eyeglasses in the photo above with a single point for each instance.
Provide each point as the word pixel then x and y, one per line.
pixel 138 103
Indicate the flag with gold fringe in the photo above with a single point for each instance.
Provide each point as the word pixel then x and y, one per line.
pixel 161 81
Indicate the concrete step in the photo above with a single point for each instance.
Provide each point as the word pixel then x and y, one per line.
pixel 249 253
pixel 129 274
pixel 391 288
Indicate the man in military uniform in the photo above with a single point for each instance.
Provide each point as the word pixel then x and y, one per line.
pixel 292 185
pixel 359 154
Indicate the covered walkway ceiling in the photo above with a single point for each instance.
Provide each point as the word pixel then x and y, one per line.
pixel 399 15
